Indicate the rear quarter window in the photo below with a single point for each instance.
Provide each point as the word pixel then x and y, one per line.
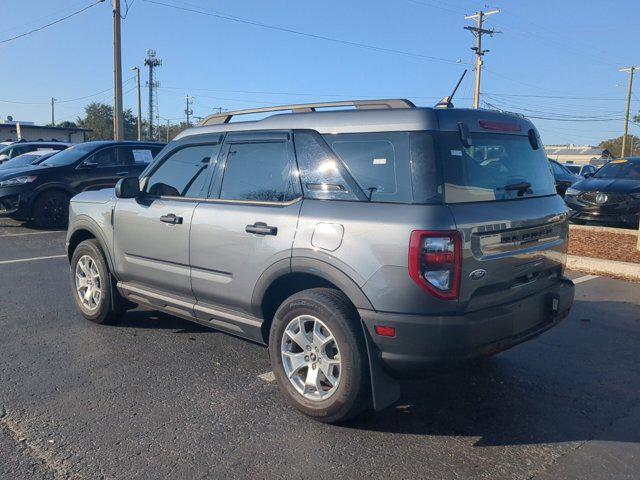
pixel 379 163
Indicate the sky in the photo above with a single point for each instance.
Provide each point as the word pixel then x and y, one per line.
pixel 555 61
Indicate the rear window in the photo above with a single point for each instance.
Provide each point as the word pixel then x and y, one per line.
pixel 495 167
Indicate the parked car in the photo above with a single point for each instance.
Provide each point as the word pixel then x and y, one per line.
pixel 611 195
pixel 31 158
pixel 42 192
pixel 563 177
pixel 580 170
pixel 18 148
pixel 358 244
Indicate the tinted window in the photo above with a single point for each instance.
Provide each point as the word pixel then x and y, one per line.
pixel 323 174
pixel 379 162
pixel 259 172
pixel 620 169
pixel 104 158
pixel 70 155
pixel 184 173
pixel 493 168
pixel 574 168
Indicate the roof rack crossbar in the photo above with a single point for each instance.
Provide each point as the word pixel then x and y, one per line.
pixel 225 117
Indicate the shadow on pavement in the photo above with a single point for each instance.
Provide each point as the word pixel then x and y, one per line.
pixel 570 384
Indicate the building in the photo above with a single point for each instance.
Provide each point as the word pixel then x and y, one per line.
pixel 585 154
pixel 11 130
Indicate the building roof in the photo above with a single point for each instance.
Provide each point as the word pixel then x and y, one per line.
pixel 44 127
pixel 577 150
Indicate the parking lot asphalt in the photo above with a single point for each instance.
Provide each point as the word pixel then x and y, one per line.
pixel 159 397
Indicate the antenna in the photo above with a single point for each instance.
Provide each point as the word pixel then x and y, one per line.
pixel 446 101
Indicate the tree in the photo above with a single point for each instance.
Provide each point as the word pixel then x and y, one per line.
pixel 161 131
pixel 614 145
pixel 99 118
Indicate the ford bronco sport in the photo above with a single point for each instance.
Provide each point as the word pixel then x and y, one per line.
pixel 360 244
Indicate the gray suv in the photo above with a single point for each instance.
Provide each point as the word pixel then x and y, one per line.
pixel 360 244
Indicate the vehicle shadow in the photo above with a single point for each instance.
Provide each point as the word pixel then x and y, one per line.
pixel 571 384
pixel 150 319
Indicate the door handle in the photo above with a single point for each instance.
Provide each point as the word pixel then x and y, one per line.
pixel 171 218
pixel 122 173
pixel 261 228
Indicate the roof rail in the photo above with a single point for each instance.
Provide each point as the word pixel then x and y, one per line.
pixel 225 117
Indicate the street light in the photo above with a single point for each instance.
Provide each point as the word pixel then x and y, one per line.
pixel 137 70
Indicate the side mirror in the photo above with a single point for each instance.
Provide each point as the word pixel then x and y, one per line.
pixel 588 174
pixel 4 157
pixel 88 164
pixel 128 187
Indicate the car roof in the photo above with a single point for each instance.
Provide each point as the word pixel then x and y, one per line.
pixel 366 117
pixel 98 143
pixel 41 142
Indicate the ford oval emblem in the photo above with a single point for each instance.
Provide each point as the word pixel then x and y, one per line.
pixel 477 274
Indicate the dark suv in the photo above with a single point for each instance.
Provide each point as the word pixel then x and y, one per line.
pixel 42 192
pixel 357 244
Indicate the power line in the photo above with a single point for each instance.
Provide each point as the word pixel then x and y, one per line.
pixel 307 34
pixel 51 23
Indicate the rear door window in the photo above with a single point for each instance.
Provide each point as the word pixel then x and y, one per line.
pixel 260 172
pixel 494 167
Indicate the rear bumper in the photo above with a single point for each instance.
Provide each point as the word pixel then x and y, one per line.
pixel 422 342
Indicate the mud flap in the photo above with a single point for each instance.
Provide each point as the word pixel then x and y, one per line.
pixel 385 390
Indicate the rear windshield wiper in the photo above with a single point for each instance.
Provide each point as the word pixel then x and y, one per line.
pixel 521 187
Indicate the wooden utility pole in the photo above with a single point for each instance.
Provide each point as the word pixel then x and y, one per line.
pixel 478 31
pixel 630 69
pixel 118 120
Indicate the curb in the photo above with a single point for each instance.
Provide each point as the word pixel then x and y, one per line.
pixel 594 228
pixel 598 266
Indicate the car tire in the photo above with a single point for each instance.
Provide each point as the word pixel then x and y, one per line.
pixel 51 209
pixel 89 273
pixel 333 385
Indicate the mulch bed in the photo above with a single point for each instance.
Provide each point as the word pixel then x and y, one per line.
pixel 605 245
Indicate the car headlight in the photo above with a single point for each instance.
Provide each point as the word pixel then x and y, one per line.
pixel 18 181
pixel 572 192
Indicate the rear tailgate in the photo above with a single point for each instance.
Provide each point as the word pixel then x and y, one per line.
pixel 510 249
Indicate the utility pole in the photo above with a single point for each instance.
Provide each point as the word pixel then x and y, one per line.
pixel 630 69
pixel 137 70
pixel 188 111
pixel 53 111
pixel 152 62
pixel 118 119
pixel 168 126
pixel 478 31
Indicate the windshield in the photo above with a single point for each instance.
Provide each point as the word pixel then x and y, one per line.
pixel 494 167
pixel 573 168
pixel 24 160
pixel 70 155
pixel 620 169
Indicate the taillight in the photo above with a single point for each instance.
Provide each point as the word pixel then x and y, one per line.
pixel 434 262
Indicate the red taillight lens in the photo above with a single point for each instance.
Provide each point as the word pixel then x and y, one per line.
pixel 385 331
pixel 434 262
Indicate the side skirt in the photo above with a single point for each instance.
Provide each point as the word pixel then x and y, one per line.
pixel 235 323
